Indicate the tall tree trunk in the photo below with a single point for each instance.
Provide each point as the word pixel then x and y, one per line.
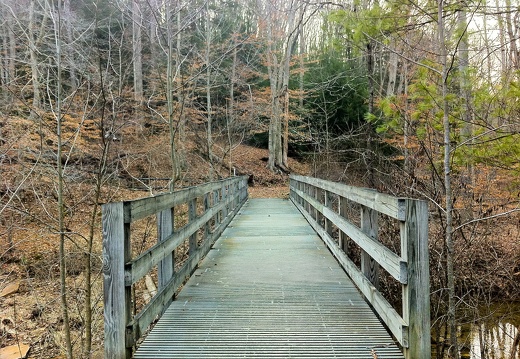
pixel 69 23
pixel 392 70
pixel 231 111
pixel 447 185
pixel 181 96
pixel 169 94
pixel 4 75
pixel 285 84
pixel 465 93
pixel 12 54
pixel 209 134
pixel 60 179
pixel 272 70
pixel 370 145
pixel 137 24
pixel 302 65
pixel 502 38
pixel 513 48
pixel 35 74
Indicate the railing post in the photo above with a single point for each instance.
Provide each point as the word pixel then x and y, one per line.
pixel 117 296
pixel 224 195
pixel 314 194
pixel 328 204
pixel 320 197
pixel 305 203
pixel 236 194
pixel 343 210
pixel 207 226
pixel 369 226
pixel 245 189
pixel 416 293
pixel 192 216
pixel 216 201
pixel 165 269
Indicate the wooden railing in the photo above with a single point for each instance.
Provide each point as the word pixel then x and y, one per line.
pixel 325 205
pixel 220 201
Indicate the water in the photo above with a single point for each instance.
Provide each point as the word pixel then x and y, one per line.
pixel 495 335
pixel 490 339
pixel 499 340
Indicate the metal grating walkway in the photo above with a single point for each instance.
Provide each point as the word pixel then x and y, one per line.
pixel 269 288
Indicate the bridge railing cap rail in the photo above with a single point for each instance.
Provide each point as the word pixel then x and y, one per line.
pixel 392 206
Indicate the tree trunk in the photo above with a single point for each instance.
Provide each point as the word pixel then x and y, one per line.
pixel 514 55
pixel 370 148
pixel 169 95
pixel 447 185
pixel 69 23
pixel 35 75
pixel 392 70
pixel 137 24
pixel 467 117
pixel 231 111
pixel 4 75
pixel 208 94
pixel 61 181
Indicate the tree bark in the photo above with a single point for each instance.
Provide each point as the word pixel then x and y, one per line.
pixel 35 74
pixel 209 135
pixel 69 23
pixel 61 182
pixel 447 185
pixel 169 94
pixel 137 48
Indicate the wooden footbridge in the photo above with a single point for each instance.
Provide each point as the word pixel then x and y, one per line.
pixel 266 278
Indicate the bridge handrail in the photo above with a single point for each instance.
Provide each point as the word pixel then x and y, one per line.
pixel 314 198
pixel 221 201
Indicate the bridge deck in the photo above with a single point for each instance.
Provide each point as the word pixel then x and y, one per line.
pixel 269 288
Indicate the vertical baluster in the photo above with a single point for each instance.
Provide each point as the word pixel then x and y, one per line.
pixel 369 226
pixel 192 216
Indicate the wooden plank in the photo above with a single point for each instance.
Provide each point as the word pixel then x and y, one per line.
pixel 383 203
pixel 388 314
pixel 116 295
pixel 216 201
pixel 148 206
pixel 369 226
pixel 343 210
pixel 192 216
pixel 164 231
pixel 416 294
pixel 141 265
pixel 225 196
pixel 390 261
pixel 328 203
pixel 320 197
pixel 207 226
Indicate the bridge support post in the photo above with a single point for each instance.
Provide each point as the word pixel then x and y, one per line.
pixel 117 296
pixel 416 293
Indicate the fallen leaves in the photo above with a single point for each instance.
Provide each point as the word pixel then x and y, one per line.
pixel 18 351
pixel 10 289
